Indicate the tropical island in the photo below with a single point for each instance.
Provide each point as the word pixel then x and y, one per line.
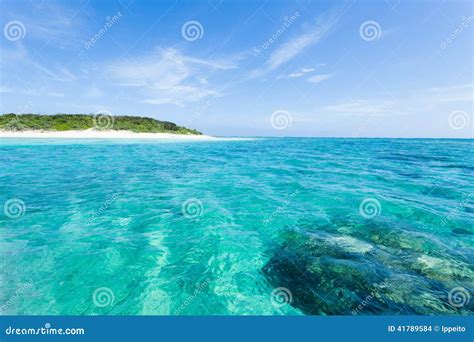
pixel 90 126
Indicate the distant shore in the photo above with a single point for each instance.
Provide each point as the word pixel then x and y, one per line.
pixel 96 134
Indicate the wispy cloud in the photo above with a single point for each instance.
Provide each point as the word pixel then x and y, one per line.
pixel 5 89
pixel 300 72
pixel 319 78
pixel 18 57
pixel 167 76
pixel 94 92
pixel 53 24
pixel 455 93
pixel 179 95
pixel 422 101
pixel 220 64
pixel 61 74
pixel 55 94
pixel 292 48
pixel 360 107
pixel 32 91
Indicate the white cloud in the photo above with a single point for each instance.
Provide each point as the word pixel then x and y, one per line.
pixel 292 48
pixel 56 25
pixel 300 72
pixel 94 92
pixel 179 94
pixel 295 46
pixel 5 89
pixel 220 64
pixel 319 78
pixel 163 70
pixel 55 94
pixel 455 93
pixel 305 70
pixel 167 76
pixel 12 54
pixel 18 55
pixel 431 100
pixel 31 91
pixel 62 74
pixel 360 107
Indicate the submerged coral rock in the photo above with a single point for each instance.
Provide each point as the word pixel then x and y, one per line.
pixel 330 274
pixel 326 274
pixel 461 231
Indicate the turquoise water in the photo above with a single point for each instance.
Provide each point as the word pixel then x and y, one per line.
pixel 263 227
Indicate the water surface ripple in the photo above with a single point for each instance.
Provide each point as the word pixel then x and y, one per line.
pixel 338 226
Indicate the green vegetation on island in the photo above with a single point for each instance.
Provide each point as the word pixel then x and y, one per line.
pixel 79 122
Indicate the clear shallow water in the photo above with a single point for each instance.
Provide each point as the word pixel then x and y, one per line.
pixel 105 230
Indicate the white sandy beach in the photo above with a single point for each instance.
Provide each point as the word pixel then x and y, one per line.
pixel 94 134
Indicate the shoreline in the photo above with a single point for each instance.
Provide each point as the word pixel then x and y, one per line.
pixel 123 134
pixel 111 134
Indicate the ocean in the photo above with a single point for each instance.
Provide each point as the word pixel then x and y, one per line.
pixel 271 226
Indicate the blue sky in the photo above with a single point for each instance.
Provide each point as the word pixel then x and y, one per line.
pixel 273 68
